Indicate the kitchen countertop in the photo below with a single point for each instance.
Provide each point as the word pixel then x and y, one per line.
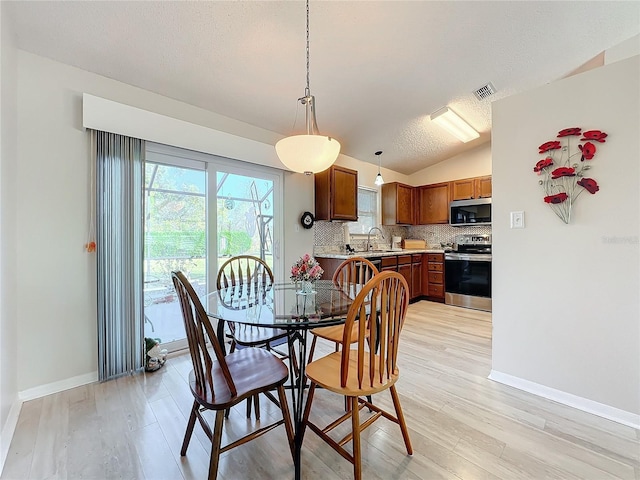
pixel 375 254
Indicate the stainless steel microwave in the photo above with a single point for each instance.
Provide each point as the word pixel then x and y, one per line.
pixel 470 212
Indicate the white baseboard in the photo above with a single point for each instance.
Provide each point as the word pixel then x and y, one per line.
pixel 55 387
pixel 7 432
pixel 584 404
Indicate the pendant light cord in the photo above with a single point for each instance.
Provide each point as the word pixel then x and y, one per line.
pixel 307 91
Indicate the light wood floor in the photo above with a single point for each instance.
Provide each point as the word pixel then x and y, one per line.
pixel 462 425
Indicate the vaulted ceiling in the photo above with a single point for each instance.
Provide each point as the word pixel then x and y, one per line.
pixel 378 69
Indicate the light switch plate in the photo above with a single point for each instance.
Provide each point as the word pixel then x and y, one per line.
pixel 517 219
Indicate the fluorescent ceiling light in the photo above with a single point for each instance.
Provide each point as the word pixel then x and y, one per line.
pixel 452 123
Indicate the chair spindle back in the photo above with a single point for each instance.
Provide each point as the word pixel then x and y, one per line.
pixel 245 275
pixel 388 293
pixel 352 274
pixel 198 327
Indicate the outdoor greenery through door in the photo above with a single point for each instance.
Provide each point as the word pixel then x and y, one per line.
pixel 178 223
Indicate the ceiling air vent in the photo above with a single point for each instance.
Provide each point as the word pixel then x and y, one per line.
pixel 485 91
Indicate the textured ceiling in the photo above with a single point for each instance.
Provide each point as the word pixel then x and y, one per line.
pixel 378 69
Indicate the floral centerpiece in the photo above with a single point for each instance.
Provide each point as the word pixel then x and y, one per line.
pixel 563 181
pixel 306 271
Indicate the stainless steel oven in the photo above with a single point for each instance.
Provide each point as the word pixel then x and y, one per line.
pixel 467 274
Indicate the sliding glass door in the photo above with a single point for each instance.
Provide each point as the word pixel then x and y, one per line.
pixel 245 220
pixel 199 211
pixel 175 239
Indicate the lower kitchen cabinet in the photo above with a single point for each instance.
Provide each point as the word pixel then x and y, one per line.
pixel 424 272
pixel 389 263
pixel 329 265
pixel 433 276
pixel 404 269
pixel 416 276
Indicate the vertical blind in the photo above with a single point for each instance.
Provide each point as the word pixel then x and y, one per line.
pixel 119 164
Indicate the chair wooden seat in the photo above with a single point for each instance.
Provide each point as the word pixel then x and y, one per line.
pixel 251 336
pixel 335 333
pixel 253 371
pixel 323 372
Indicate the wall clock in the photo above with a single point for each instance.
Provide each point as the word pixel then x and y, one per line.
pixel 307 219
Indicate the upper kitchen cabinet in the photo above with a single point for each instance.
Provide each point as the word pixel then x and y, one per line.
pixel 397 204
pixel 336 191
pixel 468 188
pixel 483 187
pixel 433 203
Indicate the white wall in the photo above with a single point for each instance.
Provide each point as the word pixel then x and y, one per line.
pixel 566 312
pixel 472 163
pixel 9 405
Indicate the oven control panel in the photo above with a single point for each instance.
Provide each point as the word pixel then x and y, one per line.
pixel 473 239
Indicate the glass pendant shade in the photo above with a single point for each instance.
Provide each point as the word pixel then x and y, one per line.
pixel 308 153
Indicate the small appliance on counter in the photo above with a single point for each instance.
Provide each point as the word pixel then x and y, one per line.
pixel 414 244
pixel 395 244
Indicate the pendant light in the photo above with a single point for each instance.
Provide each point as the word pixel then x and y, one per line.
pixel 311 152
pixel 379 180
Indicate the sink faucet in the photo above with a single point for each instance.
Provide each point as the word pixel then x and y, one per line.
pixel 369 236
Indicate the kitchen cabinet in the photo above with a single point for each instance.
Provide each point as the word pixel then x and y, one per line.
pixel 416 276
pixel 433 203
pixel 336 194
pixel 433 276
pixel 397 204
pixel 329 265
pixel 389 263
pixel 483 187
pixel 409 266
pixel 404 269
pixel 468 188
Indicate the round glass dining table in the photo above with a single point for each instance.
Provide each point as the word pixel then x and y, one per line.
pixel 285 307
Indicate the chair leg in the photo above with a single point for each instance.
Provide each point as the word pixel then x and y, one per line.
pixel 355 427
pixel 215 445
pixel 313 348
pixel 307 407
pixel 249 407
pixel 190 424
pixel 256 405
pixel 401 422
pixel 226 413
pixel 284 406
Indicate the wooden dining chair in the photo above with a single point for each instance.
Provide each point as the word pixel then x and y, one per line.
pixel 349 277
pixel 250 277
pixel 219 382
pixel 357 372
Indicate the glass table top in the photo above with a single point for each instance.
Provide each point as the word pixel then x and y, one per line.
pixel 279 305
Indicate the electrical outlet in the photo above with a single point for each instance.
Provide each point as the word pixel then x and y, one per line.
pixel 517 219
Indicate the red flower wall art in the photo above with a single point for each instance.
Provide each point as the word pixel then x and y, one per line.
pixel 564 181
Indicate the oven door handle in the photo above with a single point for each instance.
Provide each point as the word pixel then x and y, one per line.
pixel 471 257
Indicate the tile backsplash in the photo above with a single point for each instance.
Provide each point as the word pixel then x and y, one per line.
pixel 329 236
